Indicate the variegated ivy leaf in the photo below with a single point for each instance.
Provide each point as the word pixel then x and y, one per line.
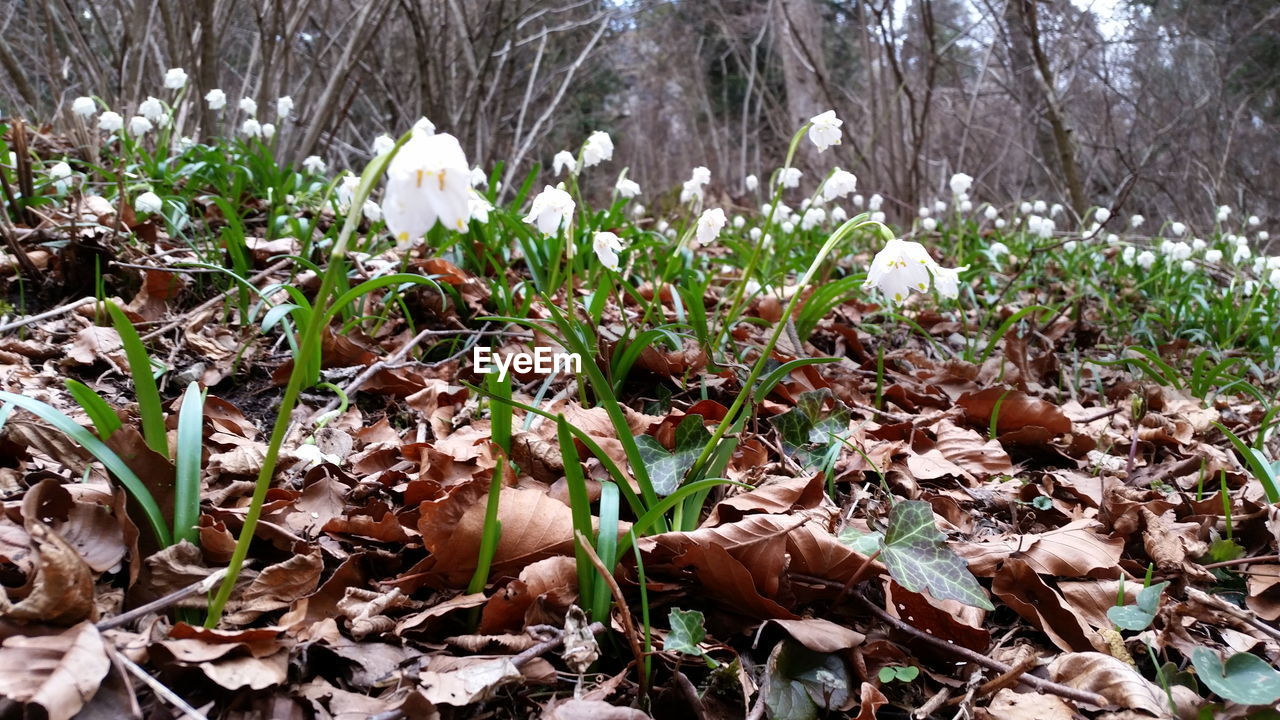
pixel 808 430
pixel 687 632
pixel 917 557
pixel 667 468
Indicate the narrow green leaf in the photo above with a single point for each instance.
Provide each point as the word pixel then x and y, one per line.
pixel 104 454
pixel 99 411
pixel 186 494
pixel 144 382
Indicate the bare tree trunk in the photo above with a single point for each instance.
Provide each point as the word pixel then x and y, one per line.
pixel 1036 83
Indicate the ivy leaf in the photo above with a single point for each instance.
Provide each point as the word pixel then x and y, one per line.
pixel 687 632
pixel 668 468
pixel 867 543
pixel 807 430
pixel 798 681
pixel 917 558
pixel 1138 617
pixel 1245 678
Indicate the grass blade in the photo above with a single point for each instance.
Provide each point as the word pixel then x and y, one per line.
pixel 186 494
pixel 104 418
pixel 144 382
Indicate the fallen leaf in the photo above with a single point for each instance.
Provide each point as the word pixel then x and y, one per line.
pixel 1111 678
pixel 62 593
pixel 59 673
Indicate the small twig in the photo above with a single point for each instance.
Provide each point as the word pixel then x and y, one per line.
pixel 932 704
pixel 200 586
pixel 60 310
pixel 633 638
pixel 547 646
pixel 1099 416
pixel 1205 598
pixel 1001 681
pixel 156 686
pixel 1242 561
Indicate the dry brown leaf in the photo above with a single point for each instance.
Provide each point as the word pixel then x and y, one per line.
pixel 1073 550
pixel 94 344
pixel 820 635
pixel 1112 679
pixel 758 542
pixel 968 450
pixel 60 673
pixel 1010 705
pixel 62 592
pixel 79 514
pixel 573 709
pixel 1173 546
pixel 1018 585
pixel 944 619
pixel 276 587
pixel 469 680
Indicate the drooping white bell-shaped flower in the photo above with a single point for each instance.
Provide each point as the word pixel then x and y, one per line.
pixel 960 183
pixel 148 203
pixel 824 130
pixel 111 121
pixel 314 164
pixel 626 187
pixel 139 126
pixel 151 109
pixel 551 210
pixel 84 106
pixel 902 266
pixel 215 99
pixel 840 184
pixel 607 245
pixel 248 106
pixel 710 223
pixel 563 160
pixel 428 180
pixel 597 149
pixel 175 78
pixel 284 106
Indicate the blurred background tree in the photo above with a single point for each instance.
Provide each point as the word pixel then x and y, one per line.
pixel 1161 107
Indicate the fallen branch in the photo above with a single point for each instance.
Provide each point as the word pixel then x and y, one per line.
pixel 211 302
pixel 60 310
pixel 156 686
pixel 200 586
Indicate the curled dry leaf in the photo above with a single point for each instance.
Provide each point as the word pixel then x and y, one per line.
pixel 1010 705
pixel 573 709
pixel 62 592
pixel 277 586
pixel 1073 550
pixel 469 680
pixel 59 672
pixel 1018 585
pixel 1112 679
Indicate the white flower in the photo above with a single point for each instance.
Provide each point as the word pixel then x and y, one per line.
pixel 739 222
pixel 626 187
pixel 1055 210
pixel 1213 255
pixel 838 215
pixel 998 248
pixel 710 223
pixel 1274 278
pixel 1179 251
pixel 874 202
pixel 248 106
pixel 693 187
pixel 479 207
pixel 428 180
pixel 139 125
pixel 1136 221
pixel 1070 245
pixel 251 128
pixel 175 78
pixel 60 171
pixel 597 149
pixel 902 266
pixel 755 233
pixel 752 182
pixel 1242 253
pixel 268 130
pixel 1000 223
pixel 787 227
pixel 1146 259
pixel 151 109
pixel 314 164
pixel 478 177
pixel 789 177
pixel 1024 207
pixel 284 106
pixel 1197 244
pixel 1039 207
pixel 1102 214
pixel 424 126
pixel 960 183
pixel 1128 255
pixel 1188 266
pixel 840 184
pixel 148 203
pixel 1178 229
pixel 345 192
pixel 939 207
pixel 84 106
pixel 551 210
pixel 859 201
pixel 1253 221
pixel 878 216
pixel 966 205
pixel 824 130
pixel 924 211
pixel 607 246
pixel 637 210
pixel 110 121
pixel 990 212
pixel 1224 212
pixel 812 218
pixel 216 99
pixel 383 144
pixel 1263 236
pixel 929 224
pixel 372 210
pixel 563 159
